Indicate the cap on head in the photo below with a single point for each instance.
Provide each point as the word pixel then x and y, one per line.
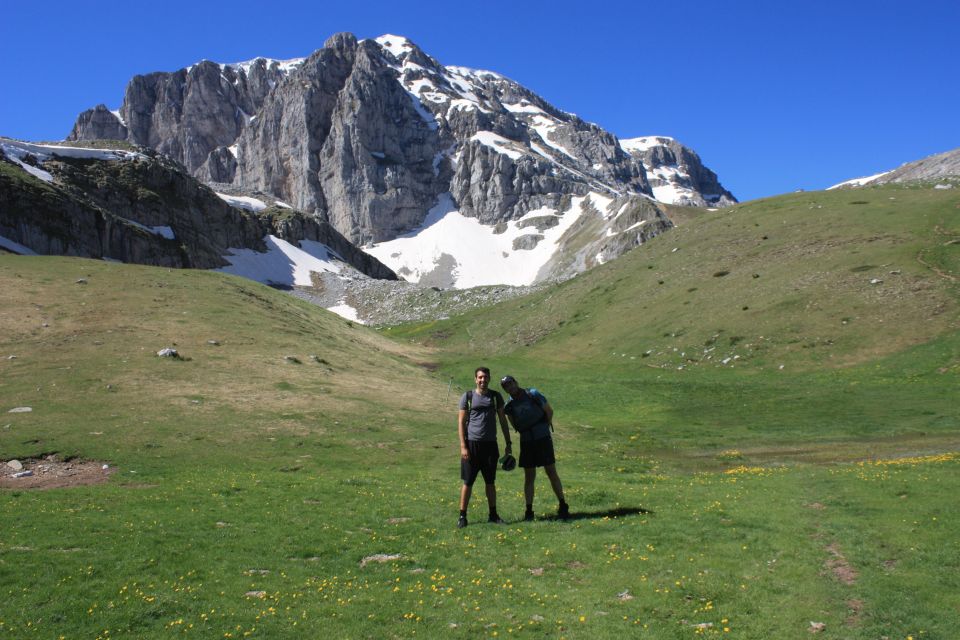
pixel 505 380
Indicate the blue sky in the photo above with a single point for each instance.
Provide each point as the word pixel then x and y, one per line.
pixel 773 96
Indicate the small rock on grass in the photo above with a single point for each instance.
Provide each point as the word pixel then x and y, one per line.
pixel 817 627
pixel 381 558
pixel 16 465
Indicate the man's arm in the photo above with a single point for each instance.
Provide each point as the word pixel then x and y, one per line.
pixel 462 432
pixel 548 412
pixel 504 428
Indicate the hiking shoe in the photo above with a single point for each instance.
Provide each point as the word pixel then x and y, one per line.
pixel 564 511
pixel 462 522
pixel 528 516
pixel 495 519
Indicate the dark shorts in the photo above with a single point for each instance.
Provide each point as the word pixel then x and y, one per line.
pixel 537 453
pixel 483 459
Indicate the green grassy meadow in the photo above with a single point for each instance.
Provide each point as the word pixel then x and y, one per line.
pixel 811 479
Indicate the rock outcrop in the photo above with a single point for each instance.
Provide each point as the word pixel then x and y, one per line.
pixel 676 173
pixel 140 207
pixel 935 167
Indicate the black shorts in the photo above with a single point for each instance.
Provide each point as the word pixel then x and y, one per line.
pixel 483 459
pixel 537 453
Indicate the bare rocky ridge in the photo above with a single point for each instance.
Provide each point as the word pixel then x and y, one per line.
pixel 942 165
pixel 385 302
pixel 144 209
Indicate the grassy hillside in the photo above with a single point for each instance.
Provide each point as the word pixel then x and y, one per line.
pixel 257 496
pixel 258 367
pixel 808 280
pixel 804 320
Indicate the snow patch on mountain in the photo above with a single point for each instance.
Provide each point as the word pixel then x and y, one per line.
pixel 397 45
pixel 16 247
pixel 44 152
pixel 858 182
pixel 286 66
pixel 644 143
pixel 162 231
pixel 344 310
pixel 453 250
pixel 243 202
pixel 498 143
pixel 282 264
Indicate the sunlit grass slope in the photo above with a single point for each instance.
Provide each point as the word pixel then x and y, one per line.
pixel 259 370
pixel 257 496
pixel 809 326
pixel 807 280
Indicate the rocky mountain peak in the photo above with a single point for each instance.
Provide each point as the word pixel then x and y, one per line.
pixel 372 135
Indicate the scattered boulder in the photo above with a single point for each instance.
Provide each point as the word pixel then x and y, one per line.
pixel 16 465
pixel 168 352
pixel 21 410
pixel 380 558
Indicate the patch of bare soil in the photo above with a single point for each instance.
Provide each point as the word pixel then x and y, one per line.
pixel 50 472
pixel 854 610
pixel 839 566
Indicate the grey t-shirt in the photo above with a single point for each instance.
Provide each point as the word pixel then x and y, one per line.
pixel 482 417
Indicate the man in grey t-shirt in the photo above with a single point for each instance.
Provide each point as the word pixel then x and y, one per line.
pixel 477 426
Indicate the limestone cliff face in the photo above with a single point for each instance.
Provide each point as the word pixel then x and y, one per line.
pixel 368 134
pixel 343 140
pixel 186 114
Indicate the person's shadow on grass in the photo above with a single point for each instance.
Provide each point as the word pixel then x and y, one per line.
pixel 603 513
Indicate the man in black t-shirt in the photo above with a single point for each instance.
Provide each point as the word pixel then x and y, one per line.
pixel 532 416
pixel 477 427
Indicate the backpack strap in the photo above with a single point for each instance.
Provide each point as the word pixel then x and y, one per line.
pixel 538 397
